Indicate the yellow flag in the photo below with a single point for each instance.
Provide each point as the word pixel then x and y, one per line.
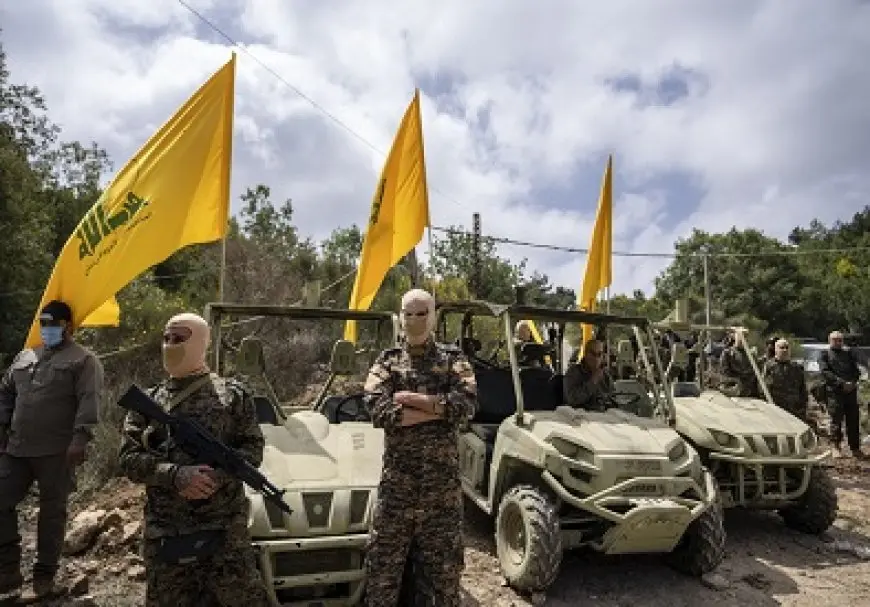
pixel 598 264
pixel 399 213
pixel 173 193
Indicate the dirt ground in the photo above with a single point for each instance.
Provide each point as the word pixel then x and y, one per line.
pixel 767 564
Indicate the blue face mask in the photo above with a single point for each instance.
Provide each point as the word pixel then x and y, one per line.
pixel 51 336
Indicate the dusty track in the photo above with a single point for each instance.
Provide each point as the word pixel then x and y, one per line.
pixel 767 564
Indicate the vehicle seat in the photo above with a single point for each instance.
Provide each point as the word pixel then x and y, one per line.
pixel 683 389
pixel 495 395
pixel 537 389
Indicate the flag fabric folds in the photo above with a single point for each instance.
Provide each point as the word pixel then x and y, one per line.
pixel 173 193
pixel 598 273
pixel 399 212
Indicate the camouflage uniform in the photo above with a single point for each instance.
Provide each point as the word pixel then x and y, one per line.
pixel 785 381
pixel 580 391
pixel 230 576
pixel 736 367
pixel 419 508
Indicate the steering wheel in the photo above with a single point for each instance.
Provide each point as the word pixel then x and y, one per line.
pixel 624 399
pixel 355 414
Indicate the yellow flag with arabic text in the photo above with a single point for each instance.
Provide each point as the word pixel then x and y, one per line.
pixel 399 213
pixel 599 273
pixel 173 193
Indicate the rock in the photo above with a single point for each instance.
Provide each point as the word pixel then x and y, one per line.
pixel 131 531
pixel 83 601
pixel 136 572
pixel 539 598
pixel 715 580
pixel 115 518
pixel 79 585
pixel 91 567
pixel 84 529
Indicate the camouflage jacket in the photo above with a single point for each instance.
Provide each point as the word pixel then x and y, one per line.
pixel 736 367
pixel 225 409
pixel 785 381
pixel 429 369
pixel 581 392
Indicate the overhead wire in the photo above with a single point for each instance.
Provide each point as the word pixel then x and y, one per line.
pixel 502 240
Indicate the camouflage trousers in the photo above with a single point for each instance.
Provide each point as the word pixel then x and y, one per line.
pixel 420 529
pixel 228 578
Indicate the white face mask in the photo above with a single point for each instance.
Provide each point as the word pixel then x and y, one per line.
pixel 187 357
pixel 418 316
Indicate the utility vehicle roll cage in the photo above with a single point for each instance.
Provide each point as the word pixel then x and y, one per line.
pixel 216 312
pixel 509 314
pixel 741 335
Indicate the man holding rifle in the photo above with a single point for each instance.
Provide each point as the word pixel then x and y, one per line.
pixel 196 542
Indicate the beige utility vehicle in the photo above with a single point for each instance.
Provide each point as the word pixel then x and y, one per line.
pixel 324 453
pixel 762 456
pixel 617 480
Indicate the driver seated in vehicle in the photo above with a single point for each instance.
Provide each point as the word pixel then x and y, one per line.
pixel 587 383
pixel 523 336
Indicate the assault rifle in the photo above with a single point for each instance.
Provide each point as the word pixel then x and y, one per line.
pixel 195 440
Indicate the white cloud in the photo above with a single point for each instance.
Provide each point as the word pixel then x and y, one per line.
pixel 773 122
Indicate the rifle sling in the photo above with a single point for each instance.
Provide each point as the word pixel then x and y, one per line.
pixel 193 387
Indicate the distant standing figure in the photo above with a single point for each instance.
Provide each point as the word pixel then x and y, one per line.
pixel 49 404
pixel 839 368
pixel 785 381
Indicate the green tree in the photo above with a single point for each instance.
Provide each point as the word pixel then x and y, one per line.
pixel 742 279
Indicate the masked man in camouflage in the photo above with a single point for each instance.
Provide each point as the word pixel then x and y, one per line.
pixel 738 376
pixel 420 394
pixel 49 403
pixel 196 545
pixel 785 381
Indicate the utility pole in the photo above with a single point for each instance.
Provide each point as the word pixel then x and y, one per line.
pixel 707 295
pixel 475 255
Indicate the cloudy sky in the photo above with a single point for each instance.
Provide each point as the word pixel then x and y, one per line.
pixel 746 113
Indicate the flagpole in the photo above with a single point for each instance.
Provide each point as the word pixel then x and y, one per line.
pixel 223 270
pixel 429 238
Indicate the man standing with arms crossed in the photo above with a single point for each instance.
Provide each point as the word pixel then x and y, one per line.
pixel 420 394
pixel 49 403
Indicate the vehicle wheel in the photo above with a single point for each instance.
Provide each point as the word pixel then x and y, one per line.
pixel 816 509
pixel 702 546
pixel 528 538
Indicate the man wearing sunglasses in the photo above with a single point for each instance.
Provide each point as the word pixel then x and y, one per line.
pixel 587 382
pixel 420 394
pixel 49 403
pixel 196 544
pixel 785 381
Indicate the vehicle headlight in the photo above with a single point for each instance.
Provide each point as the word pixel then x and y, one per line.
pixel 677 452
pixel 571 450
pixel 724 439
pixel 808 439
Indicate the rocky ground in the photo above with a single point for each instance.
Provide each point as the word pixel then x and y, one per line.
pixel 767 564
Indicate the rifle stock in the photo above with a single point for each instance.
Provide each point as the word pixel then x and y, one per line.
pixel 195 440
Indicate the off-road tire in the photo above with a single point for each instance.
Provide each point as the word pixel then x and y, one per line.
pixel 816 510
pixel 530 561
pixel 702 546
